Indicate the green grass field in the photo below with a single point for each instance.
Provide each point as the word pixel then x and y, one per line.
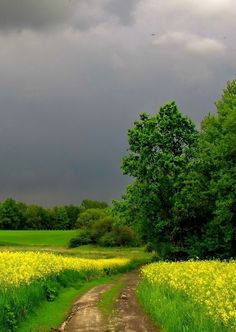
pixel 57 242
pixel 36 238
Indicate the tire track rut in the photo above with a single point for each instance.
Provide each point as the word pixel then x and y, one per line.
pixel 127 316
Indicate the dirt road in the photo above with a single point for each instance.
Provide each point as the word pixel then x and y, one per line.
pixel 127 316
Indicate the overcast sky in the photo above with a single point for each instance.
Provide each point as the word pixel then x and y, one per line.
pixel 75 74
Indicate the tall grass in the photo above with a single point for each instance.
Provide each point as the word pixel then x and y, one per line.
pixel 16 303
pixel 174 311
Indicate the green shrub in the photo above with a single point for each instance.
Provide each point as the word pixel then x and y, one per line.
pixel 124 236
pixel 107 240
pixel 119 236
pixel 149 247
pixel 88 217
pixel 83 237
pixel 101 227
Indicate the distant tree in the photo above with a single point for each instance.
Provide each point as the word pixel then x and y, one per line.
pixel 72 213
pixel 36 217
pixel 89 216
pixel 59 218
pixel 91 204
pixel 11 215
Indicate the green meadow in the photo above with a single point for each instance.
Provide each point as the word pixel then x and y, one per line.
pixel 36 238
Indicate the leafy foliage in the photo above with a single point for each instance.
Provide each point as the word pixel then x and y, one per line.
pixel 91 204
pixel 11 214
pixel 160 147
pixel 98 226
pixel 19 216
pixel 183 198
pixel 205 207
pixel 89 216
pixel 83 237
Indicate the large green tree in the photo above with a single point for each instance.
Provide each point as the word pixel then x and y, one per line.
pixel 160 147
pixel 206 206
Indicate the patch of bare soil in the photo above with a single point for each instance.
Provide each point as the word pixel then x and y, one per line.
pixel 85 316
pixel 127 316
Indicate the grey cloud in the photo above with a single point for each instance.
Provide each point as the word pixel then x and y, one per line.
pixel 124 10
pixel 34 14
pixel 192 43
pixel 80 14
pixel 207 8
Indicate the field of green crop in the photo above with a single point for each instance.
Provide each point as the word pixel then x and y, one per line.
pixel 36 238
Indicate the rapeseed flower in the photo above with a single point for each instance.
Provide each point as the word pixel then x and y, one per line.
pixel 211 284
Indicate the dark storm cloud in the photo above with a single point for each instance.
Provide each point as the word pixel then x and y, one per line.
pixel 34 14
pixel 81 14
pixel 68 95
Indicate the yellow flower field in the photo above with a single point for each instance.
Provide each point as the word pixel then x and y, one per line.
pixel 17 268
pixel 212 284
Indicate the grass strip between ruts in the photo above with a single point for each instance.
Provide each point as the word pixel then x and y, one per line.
pixel 107 301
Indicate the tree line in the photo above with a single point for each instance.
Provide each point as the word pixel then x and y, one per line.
pixel 183 198
pixel 20 216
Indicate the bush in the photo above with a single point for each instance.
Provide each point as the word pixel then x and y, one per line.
pixel 83 237
pixel 87 218
pixel 124 236
pixel 119 236
pixel 107 240
pixel 101 227
pixel 149 247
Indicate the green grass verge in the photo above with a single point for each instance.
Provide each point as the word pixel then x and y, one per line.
pixel 173 311
pixel 52 314
pixel 36 238
pixel 17 303
pixel 107 301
